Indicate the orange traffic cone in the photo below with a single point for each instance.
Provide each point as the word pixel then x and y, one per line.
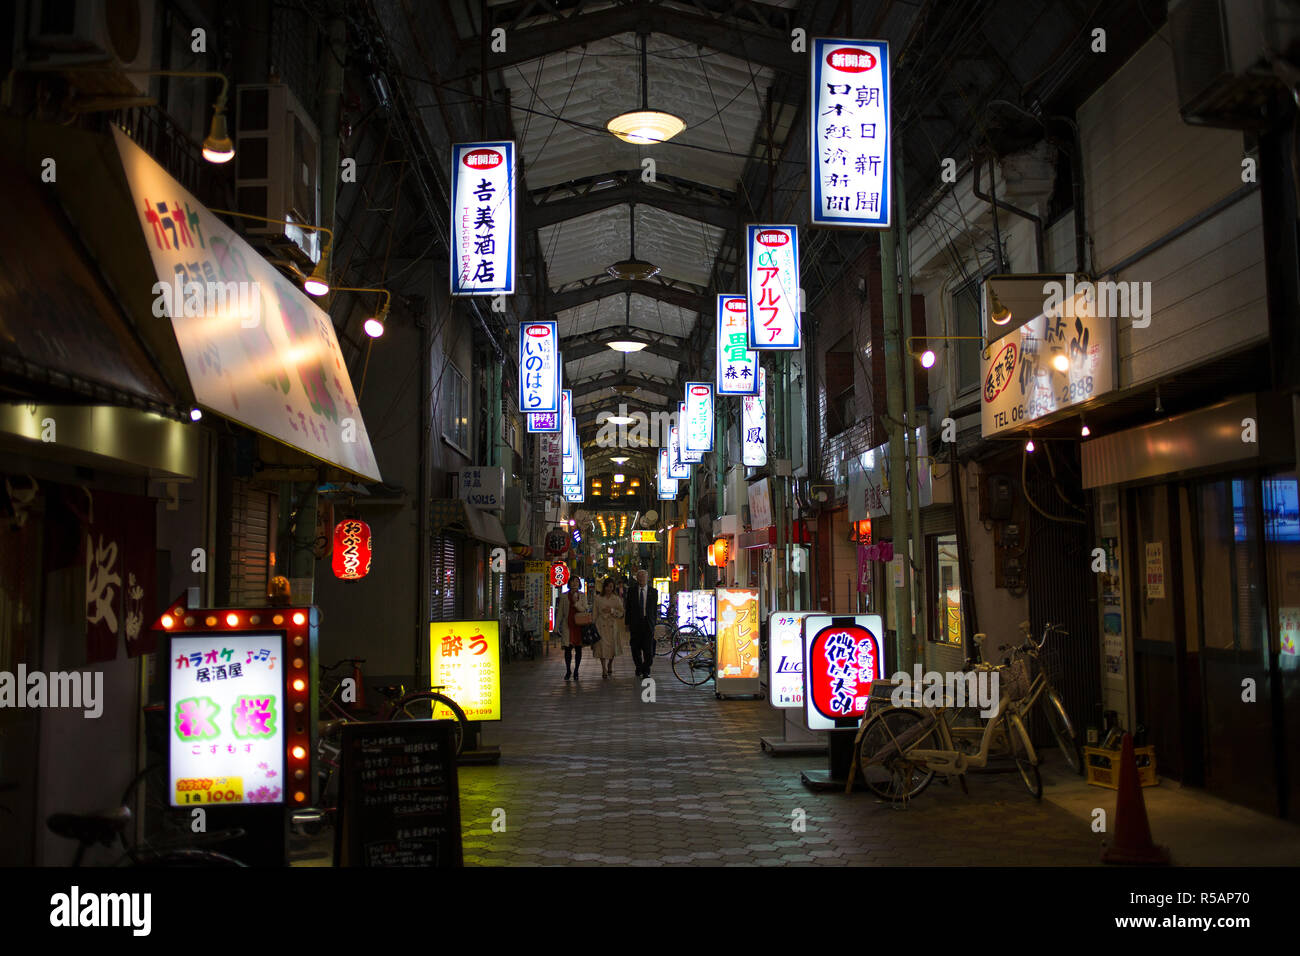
pixel 1133 845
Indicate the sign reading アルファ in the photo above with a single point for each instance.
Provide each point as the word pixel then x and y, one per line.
pixel 1061 359
pixel 483 487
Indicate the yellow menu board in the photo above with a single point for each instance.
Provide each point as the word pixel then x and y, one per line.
pixel 465 659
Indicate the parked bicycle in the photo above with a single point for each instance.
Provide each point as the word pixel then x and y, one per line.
pixel 520 641
pixel 696 660
pixel 1042 692
pixel 671 637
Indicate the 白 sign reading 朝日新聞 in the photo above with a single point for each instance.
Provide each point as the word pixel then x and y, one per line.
pixel 539 369
pixel 753 423
pixel 698 437
pixel 737 365
pixel 483 219
pixel 850 133
pixel 772 265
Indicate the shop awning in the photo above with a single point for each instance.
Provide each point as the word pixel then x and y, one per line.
pixel 453 514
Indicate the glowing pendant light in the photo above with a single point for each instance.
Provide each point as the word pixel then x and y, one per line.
pixel 645 126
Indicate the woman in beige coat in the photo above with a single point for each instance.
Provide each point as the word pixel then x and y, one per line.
pixel 613 631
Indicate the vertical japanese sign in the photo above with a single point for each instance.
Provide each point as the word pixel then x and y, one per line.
pixel 678 467
pixel 550 464
pixel 667 485
pixel 737 637
pixel 542 422
pixel 850 133
pixel 772 264
pixel 698 437
pixel 753 425
pixel 566 432
pixel 785 658
pixel 465 659
pixel 483 219
pixel 842 657
pixel 737 365
pixel 688 457
pixel 577 490
pixel 226 715
pixel 539 368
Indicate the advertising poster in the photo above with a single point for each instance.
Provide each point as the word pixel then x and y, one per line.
pixel 850 133
pixel 843 655
pixel 785 658
pixel 465 660
pixel 483 218
pixel 1155 569
pixel 696 607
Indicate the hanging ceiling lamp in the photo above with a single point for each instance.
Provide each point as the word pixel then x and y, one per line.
pixel 632 268
pixel 645 126
pixel 627 343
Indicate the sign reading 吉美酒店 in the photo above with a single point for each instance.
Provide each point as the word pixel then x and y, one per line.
pixel 698 437
pixel 539 369
pixel 850 133
pixel 483 219
pixel 772 265
pixel 1062 358
pixel 465 659
pixel 256 348
pixel 737 365
pixel 842 656
pixel 483 487
pixel 785 658
pixel 753 423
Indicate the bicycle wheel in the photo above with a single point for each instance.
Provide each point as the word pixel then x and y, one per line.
pixel 688 639
pixel 153 818
pixel 430 705
pixel 1062 730
pixel 1020 751
pixel 665 640
pixel 895 778
pixel 696 667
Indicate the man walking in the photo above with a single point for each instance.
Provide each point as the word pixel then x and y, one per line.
pixel 640 612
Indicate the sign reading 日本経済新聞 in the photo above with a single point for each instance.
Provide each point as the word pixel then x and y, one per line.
pixel 483 219
pixel 772 265
pixel 737 366
pixel 850 119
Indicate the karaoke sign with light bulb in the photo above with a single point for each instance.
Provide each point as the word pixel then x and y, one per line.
pixel 241 706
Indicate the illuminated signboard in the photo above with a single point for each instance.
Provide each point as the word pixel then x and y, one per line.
pixel 842 656
pixel 850 118
pixel 737 366
pixel 549 465
pixel 736 611
pixel 483 218
pixel 688 457
pixel 773 270
pixel 661 586
pixel 240 704
pixel 753 423
pixel 785 658
pixel 696 607
pixel 465 660
pixel 539 371
pixel 567 434
pixel 645 537
pixel 542 422
pixel 698 435
pixel 677 467
pixel 667 486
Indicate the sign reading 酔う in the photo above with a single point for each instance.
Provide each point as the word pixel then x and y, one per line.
pixel 753 424
pixel 698 437
pixel 539 369
pixel 772 265
pixel 483 219
pixel 842 656
pixel 850 133
pixel 465 659
pixel 737 365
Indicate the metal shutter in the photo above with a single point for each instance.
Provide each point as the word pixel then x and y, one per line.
pixel 444 578
pixel 250 544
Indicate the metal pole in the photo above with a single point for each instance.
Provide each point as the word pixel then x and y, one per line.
pixel 897 452
pixel 782 566
pixel 695 533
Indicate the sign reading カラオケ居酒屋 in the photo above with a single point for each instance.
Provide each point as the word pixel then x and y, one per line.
pixel 753 424
pixel 539 369
pixel 483 219
pixel 842 656
pixel 698 437
pixel 737 365
pixel 785 658
pixel 772 265
pixel 465 660
pixel 850 119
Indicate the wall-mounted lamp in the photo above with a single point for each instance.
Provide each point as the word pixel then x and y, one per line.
pixel 316 284
pixel 927 356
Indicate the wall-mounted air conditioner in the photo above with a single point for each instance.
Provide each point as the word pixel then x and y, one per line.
pixel 277 164
pixel 69 36
pixel 1221 57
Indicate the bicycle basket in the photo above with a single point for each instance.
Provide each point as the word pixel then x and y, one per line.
pixel 1015 679
pixel 1051 660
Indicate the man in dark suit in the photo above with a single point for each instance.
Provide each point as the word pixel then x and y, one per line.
pixel 640 613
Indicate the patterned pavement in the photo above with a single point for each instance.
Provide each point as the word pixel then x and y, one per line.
pixel 592 775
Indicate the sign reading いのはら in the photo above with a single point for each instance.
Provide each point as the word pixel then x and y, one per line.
pixel 483 487
pixel 465 660
pixel 842 656
pixel 753 423
pixel 266 356
pixel 772 265
pixel 539 369
pixel 850 117
pixel 737 371
pixel 483 219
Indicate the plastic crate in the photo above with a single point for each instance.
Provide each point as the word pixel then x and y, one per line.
pixel 1103 766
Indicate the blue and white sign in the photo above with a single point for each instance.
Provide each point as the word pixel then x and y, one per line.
pixel 737 365
pixel 698 424
pixel 850 133
pixel 543 422
pixel 667 485
pixel 483 219
pixel 772 265
pixel 687 457
pixel 568 444
pixel 677 468
pixel 539 368
pixel 753 425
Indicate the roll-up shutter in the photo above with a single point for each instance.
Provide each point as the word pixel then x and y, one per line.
pixel 444 578
pixel 251 532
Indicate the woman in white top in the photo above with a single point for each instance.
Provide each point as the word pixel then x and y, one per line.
pixel 613 630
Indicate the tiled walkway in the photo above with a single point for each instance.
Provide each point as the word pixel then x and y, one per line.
pixel 592 775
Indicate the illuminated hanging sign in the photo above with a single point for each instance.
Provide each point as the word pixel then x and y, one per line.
pixel 483 219
pixel 542 422
pixel 737 640
pixel 842 656
pixel 667 485
pixel 850 117
pixel 753 425
pixel 698 435
pixel 772 264
pixel 737 366
pixel 352 550
pixel 465 660
pixel 570 466
pixel 575 485
pixel 645 537
pixel 677 468
pixel 688 457
pixel 539 368
pixel 550 464
pixel 785 658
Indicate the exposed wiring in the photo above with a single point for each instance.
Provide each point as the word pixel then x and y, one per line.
pixel 1024 489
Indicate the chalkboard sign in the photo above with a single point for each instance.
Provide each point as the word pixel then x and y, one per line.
pixel 399 802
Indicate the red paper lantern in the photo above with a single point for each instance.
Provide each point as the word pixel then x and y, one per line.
pixel 559 574
pixel 352 549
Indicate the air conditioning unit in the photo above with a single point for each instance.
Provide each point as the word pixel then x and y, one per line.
pixel 1221 53
pixel 277 165
pixel 68 36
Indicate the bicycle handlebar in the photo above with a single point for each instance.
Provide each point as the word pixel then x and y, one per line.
pixel 346 660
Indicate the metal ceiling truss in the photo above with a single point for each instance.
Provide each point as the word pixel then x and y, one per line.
pixel 651 383
pixel 683 197
pixel 596 343
pixel 678 292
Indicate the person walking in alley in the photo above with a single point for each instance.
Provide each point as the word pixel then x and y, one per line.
pixel 609 621
pixel 640 611
pixel 577 616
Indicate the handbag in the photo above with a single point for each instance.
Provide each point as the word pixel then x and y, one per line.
pixel 590 635
pixel 582 618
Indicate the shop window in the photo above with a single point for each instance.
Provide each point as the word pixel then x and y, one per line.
pixel 966 312
pixel 841 411
pixel 945 600
pixel 455 409
pixel 1282 542
pixel 1230 574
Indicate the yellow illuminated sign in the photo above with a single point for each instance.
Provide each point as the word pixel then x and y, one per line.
pixel 645 537
pixel 737 632
pixel 465 660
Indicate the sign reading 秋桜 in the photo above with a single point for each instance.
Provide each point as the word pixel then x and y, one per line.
pixel 483 219
pixel 737 365
pixel 772 264
pixel 753 425
pixel 698 437
pixel 736 612
pixel 850 133
pixel 465 659
pixel 677 467
pixel 842 656
pixel 667 485
pixel 1063 358
pixel 549 464
pixel 539 368
pixel 785 658
pixel 256 348
pixel 687 456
